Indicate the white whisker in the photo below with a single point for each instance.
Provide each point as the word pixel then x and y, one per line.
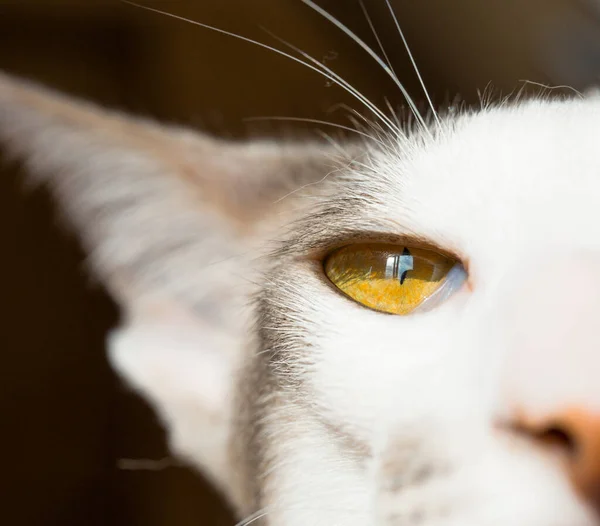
pixel 306 185
pixel 412 60
pixel 334 143
pixel 298 505
pixel 329 73
pixel 485 97
pixel 389 107
pixel 381 137
pixel 374 31
pixel 376 127
pixel 253 517
pixel 321 69
pixel 388 61
pixel 372 54
pixel 315 121
pixel 549 87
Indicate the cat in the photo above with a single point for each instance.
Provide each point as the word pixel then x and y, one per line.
pixel 394 331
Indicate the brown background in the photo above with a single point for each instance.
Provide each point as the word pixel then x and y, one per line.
pixel 66 421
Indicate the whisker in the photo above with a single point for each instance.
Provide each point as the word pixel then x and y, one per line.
pixel 333 143
pixel 414 64
pixel 321 69
pixel 519 94
pixel 263 512
pixel 359 126
pixel 339 80
pixel 253 517
pixel 317 121
pixel 388 61
pixel 376 128
pixel 374 31
pixel 370 124
pixel 549 87
pixel 372 54
pixel 306 185
pixel 485 97
pixel 361 122
pixel 381 138
pixel 392 112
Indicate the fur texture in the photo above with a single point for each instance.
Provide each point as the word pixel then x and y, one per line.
pixel 302 406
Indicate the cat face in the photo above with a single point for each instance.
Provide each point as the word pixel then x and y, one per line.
pixel 478 407
pixel 446 416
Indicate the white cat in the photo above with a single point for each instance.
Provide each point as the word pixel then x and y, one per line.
pixel 397 332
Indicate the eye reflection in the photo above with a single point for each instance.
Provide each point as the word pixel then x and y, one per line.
pixel 396 267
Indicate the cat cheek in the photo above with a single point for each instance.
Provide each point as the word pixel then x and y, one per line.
pixel 552 338
pixel 549 342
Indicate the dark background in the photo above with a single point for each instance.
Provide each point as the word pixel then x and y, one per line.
pixel 67 423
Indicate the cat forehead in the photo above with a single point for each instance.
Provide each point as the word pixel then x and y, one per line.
pixel 528 173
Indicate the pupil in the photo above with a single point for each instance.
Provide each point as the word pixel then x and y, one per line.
pixel 403 277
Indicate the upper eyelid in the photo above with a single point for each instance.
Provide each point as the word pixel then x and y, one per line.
pixel 322 247
pixel 313 241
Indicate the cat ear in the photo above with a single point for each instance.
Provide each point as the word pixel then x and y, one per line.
pixel 167 216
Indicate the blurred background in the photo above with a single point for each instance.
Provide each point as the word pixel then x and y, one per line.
pixel 74 439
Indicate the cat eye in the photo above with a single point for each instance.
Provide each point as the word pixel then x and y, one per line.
pixel 393 278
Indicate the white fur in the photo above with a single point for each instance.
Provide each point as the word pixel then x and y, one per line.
pixel 515 191
pixel 190 389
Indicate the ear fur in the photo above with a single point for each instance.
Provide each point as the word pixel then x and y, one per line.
pixel 168 216
pixel 184 369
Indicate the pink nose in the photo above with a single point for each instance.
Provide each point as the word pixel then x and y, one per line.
pixel 576 435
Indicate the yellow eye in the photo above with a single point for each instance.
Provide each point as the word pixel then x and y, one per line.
pixel 393 278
